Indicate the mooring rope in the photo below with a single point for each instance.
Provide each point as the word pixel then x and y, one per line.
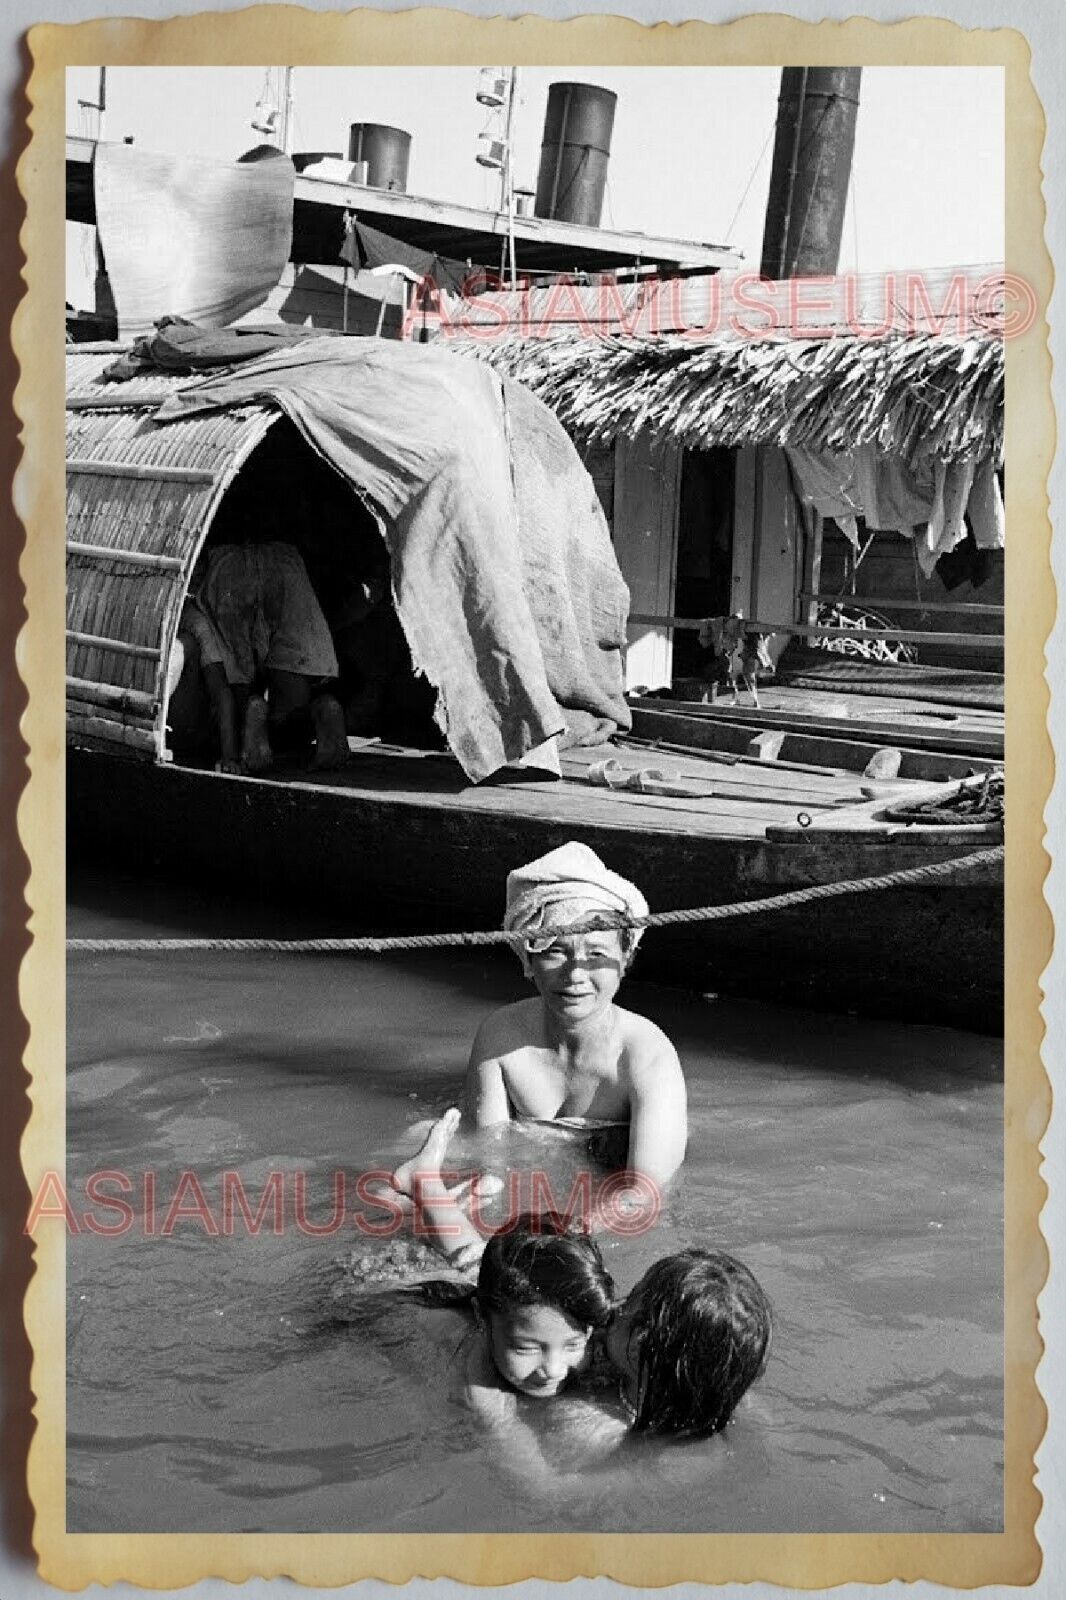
pixel 373 945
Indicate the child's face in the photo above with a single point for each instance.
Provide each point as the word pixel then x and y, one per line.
pixel 536 1348
pixel 578 975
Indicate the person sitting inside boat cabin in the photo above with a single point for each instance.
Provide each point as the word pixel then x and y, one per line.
pixel 571 1053
pixel 264 649
pixel 201 710
pixel 379 690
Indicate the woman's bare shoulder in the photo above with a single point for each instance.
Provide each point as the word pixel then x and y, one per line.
pixel 509 1028
pixel 642 1035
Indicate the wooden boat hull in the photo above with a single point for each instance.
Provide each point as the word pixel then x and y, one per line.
pixel 407 861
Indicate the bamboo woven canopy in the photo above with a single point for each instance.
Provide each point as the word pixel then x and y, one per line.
pixel 140 502
pixel 921 397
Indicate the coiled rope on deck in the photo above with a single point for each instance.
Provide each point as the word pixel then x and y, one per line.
pixel 905 877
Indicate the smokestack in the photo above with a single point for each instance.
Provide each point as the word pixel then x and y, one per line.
pixel 574 154
pixel 386 151
pixel 813 147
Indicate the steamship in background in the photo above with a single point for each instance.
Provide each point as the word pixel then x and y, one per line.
pixel 879 742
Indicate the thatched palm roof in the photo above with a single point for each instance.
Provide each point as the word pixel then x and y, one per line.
pixel 140 500
pixel 917 396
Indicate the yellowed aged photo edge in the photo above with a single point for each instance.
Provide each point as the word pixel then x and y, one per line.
pixel 811 1560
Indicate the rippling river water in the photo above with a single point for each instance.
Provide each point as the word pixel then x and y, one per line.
pixel 855 1166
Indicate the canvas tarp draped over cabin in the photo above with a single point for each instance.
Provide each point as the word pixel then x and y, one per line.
pixel 503 573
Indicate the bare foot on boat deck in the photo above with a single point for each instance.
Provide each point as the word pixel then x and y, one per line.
pixel 256 754
pixel 331 739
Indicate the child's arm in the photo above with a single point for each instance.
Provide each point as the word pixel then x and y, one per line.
pixel 484 1392
pixel 580 1461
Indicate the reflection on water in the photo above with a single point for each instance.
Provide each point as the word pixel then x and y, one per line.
pixel 855 1166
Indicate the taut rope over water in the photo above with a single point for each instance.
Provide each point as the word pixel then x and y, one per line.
pixel 906 877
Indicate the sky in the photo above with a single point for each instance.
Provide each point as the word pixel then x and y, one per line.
pixel 690 154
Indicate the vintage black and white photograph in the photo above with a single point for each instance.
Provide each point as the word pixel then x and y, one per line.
pixel 535 552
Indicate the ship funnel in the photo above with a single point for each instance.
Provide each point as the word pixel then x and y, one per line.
pixel 386 151
pixel 574 153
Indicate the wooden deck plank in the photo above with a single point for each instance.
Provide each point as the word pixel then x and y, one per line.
pixel 437 784
pixel 763 778
pixel 950 738
pixel 852 707
pixel 681 724
pixel 734 787
pixel 729 800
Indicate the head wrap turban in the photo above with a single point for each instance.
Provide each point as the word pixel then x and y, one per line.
pixel 574 877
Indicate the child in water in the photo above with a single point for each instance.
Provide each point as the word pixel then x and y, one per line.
pixel 541 1293
pixel 680 1351
pixel 571 1054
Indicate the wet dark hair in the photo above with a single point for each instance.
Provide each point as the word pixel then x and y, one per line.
pixel 539 1263
pixel 700 1330
pixel 536 1261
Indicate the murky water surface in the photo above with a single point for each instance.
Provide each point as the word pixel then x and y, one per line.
pixel 855 1166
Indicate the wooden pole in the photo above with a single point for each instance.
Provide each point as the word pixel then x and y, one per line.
pixel 130 558
pixel 876 602
pixel 979 641
pixel 139 472
pixel 118 647
pixel 137 701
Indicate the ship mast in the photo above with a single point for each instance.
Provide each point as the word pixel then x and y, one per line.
pixel 277 121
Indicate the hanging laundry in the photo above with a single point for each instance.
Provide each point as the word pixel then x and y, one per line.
pixel 965 564
pixel 825 480
pixel 365 248
pixel 985 507
pixel 929 505
pixel 892 495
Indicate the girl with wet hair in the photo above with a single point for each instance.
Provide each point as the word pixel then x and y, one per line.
pixel 680 1351
pixel 690 1340
pixel 541 1294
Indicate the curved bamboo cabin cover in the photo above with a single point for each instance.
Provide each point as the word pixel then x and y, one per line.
pixel 140 502
pixel 141 497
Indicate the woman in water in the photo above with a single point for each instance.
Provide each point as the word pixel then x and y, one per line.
pixel 571 1059
pixel 571 1055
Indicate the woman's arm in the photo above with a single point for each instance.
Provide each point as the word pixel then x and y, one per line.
pixel 485 1099
pixel 658 1114
pixel 658 1134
